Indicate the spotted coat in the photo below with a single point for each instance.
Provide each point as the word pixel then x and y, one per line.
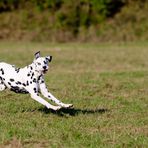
pixel 29 79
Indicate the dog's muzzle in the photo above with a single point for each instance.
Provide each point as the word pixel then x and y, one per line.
pixel 45 69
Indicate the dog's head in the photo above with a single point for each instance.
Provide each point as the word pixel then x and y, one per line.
pixel 41 63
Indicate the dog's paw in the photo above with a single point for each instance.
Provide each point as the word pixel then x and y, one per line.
pixel 67 105
pixel 57 108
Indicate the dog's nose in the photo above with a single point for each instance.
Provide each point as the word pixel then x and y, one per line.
pixel 44 67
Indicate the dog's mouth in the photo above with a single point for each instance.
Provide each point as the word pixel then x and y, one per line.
pixel 44 71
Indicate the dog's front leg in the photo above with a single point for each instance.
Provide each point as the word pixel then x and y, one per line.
pixel 48 95
pixel 35 96
pixel 42 101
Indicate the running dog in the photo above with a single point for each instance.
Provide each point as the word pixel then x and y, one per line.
pixel 30 79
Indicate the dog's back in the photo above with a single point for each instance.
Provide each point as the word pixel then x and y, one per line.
pixel 11 77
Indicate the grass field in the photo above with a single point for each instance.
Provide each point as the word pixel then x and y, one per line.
pixel 107 83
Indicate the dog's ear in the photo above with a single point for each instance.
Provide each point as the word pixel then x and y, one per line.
pixel 49 58
pixel 37 55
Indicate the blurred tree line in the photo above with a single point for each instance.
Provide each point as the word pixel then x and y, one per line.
pixel 61 20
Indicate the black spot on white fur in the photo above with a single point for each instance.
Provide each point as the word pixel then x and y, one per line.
pixel 34 80
pixel 17 69
pixel 16 89
pixel 42 81
pixel 12 80
pixel 2 71
pixel 24 84
pixel 18 83
pixel 39 77
pixel 32 75
pixel 35 90
pixel 9 83
pixel 31 67
pixel 27 83
pixel 28 74
pixel 39 63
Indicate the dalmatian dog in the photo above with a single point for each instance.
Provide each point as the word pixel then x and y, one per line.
pixel 30 79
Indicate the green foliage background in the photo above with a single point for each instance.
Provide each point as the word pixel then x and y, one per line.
pixel 74 20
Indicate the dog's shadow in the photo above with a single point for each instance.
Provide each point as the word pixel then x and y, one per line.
pixel 73 111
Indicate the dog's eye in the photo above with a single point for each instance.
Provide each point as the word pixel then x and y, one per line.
pixel 45 62
pixel 39 63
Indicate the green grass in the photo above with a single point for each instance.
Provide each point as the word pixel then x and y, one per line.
pixel 107 83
